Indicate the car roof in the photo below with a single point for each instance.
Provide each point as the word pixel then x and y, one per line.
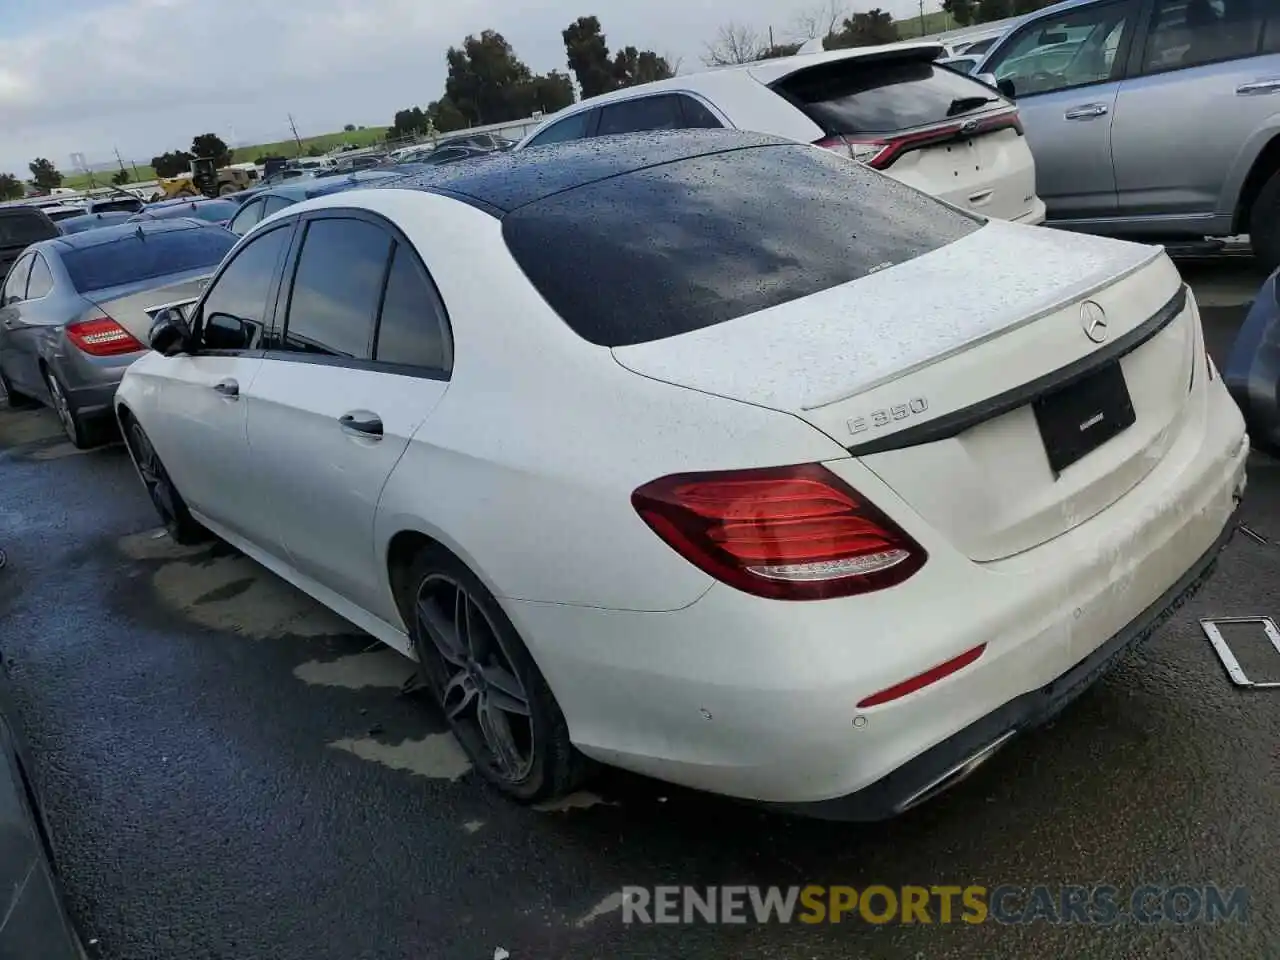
pixel 505 181
pixel 95 238
pixel 320 186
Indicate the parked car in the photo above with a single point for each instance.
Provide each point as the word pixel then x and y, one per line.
pixel 62 211
pixel 1105 91
pixel 92 221
pixel 890 107
pixel 19 228
pixel 896 481
pixel 275 199
pixel 1252 373
pixel 73 313
pixel 34 920
pixel 217 210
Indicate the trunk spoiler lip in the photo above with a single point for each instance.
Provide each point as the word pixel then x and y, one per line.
pixel 1065 298
pixel 952 424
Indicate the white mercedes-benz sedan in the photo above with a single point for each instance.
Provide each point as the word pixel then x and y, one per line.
pixel 703 454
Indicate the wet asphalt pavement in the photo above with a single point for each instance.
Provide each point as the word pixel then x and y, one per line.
pixel 231 772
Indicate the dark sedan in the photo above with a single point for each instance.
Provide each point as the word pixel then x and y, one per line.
pixel 217 210
pixel 34 922
pixel 92 221
pixel 1252 374
pixel 266 202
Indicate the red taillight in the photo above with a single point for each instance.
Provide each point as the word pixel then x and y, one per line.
pixel 922 680
pixel 880 151
pixel 102 337
pixel 789 533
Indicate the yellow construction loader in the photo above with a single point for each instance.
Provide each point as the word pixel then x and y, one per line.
pixel 204 179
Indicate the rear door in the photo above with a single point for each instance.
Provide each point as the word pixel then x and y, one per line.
pixel 360 362
pixel 923 124
pixel 1211 63
pixel 12 295
pixel 1065 71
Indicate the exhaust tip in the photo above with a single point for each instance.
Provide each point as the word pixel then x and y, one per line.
pixel 954 775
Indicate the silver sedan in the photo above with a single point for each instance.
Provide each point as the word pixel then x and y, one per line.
pixel 76 310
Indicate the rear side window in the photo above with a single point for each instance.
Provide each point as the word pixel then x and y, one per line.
pixel 883 97
pixel 250 214
pixel 20 229
pixel 40 283
pixel 725 235
pixel 640 114
pixel 337 287
pixel 411 330
pixel 275 205
pixel 697 115
pixel 132 259
pixel 15 284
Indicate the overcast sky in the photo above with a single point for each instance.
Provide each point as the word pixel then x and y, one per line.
pixel 145 76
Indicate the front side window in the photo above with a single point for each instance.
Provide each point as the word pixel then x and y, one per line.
pixel 234 313
pixel 1188 33
pixel 570 128
pixel 40 283
pixel 1075 49
pixel 336 288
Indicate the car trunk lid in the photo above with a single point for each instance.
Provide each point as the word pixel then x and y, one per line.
pixel 135 305
pixel 969 400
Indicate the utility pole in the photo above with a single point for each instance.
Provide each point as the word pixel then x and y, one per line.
pixel 922 18
pixel 296 139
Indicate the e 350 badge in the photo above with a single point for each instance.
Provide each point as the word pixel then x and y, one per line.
pixel 883 417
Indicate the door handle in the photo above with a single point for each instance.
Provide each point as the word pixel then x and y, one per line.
pixel 1258 87
pixel 1086 111
pixel 229 389
pixel 361 423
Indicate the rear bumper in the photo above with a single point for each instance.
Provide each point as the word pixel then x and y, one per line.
pixel 91 382
pixel 1035 216
pixel 951 761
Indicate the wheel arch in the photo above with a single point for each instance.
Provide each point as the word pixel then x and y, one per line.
pixel 1264 166
pixel 410 539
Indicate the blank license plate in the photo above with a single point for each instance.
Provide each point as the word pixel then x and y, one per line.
pixel 1077 419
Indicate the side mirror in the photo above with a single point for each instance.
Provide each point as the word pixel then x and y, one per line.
pixel 1006 87
pixel 170 334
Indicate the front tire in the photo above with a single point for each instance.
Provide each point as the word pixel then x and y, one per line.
pixel 492 694
pixel 1264 224
pixel 83 433
pixel 175 516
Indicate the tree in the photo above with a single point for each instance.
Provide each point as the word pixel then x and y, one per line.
pixel 865 29
pixel 734 43
pixel 588 55
pixel 445 116
pixel 961 11
pixel 44 174
pixel 349 128
pixel 212 146
pixel 172 164
pixel 488 83
pixel 120 177
pixel 820 20
pixel 408 123
pixel 10 187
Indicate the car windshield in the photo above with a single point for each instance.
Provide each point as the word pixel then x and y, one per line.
pixel 139 255
pixel 880 97
pixel 725 235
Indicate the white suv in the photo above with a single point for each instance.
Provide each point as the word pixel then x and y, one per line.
pixel 892 108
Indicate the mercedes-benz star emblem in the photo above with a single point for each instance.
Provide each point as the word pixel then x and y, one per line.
pixel 1094 321
pixel 969 126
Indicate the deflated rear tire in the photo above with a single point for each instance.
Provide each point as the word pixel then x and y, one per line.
pixel 1264 224
pixel 175 516
pixel 492 694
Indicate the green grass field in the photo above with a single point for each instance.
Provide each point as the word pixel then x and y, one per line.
pixel 936 22
pixel 284 148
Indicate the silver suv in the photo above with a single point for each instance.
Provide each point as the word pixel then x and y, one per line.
pixel 1152 118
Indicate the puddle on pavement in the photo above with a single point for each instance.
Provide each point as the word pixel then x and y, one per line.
pixel 21 427
pixel 227 591
pixel 581 800
pixel 436 756
pixel 375 668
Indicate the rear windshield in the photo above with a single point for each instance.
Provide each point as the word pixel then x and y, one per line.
pixel 690 244
pixel 883 96
pixel 18 229
pixel 131 260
